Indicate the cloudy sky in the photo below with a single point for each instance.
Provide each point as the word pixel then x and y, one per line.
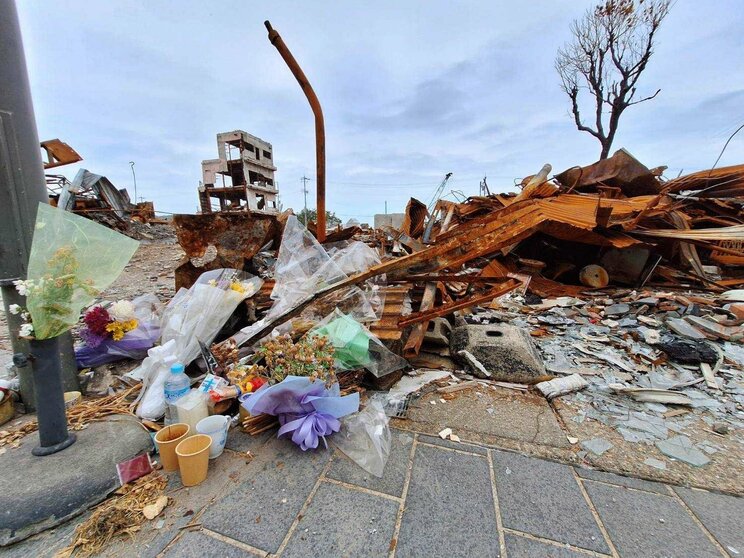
pixel 410 90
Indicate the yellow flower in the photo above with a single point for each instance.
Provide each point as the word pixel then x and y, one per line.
pixel 118 329
pixel 237 287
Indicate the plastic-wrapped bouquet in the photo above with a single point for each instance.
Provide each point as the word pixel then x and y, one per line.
pixel 192 316
pixel 72 260
pixel 123 329
pixel 307 410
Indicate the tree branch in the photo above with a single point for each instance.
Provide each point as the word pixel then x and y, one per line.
pixel 630 104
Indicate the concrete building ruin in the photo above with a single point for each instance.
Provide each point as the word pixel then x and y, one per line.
pixel 242 179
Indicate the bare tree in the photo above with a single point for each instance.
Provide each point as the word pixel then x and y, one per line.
pixel 611 47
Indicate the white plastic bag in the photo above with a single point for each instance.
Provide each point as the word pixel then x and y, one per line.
pixel 193 315
pixel 365 438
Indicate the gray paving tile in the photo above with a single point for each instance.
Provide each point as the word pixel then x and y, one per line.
pixel 394 475
pixel 543 498
pixel 237 440
pixel 344 522
pixel 722 515
pixel 199 545
pixel 260 511
pixel 437 441
pixel 521 547
pixel 648 525
pixel 620 480
pixel 449 509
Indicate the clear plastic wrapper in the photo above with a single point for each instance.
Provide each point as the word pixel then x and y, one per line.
pixel 303 267
pixel 365 438
pixel 356 347
pixel 134 344
pixel 72 260
pixel 193 315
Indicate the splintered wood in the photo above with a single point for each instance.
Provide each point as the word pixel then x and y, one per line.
pixel 79 416
pixel 259 423
pixel 122 514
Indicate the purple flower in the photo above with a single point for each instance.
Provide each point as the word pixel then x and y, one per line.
pixel 91 339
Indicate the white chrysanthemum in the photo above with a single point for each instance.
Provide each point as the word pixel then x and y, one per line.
pixel 121 310
pixel 14 309
pixel 26 330
pixel 23 286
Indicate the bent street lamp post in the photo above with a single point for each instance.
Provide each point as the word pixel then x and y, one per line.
pixel 312 98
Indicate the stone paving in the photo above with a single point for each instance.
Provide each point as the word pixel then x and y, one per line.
pixel 436 498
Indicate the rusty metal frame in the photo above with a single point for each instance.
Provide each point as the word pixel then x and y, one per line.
pixel 448 308
pixel 312 98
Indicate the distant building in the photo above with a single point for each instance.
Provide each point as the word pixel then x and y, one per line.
pixel 242 179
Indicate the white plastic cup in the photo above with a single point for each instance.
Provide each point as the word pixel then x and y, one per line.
pixel 216 428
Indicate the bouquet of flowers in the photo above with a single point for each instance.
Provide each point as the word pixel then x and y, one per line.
pixel 307 410
pixel 194 315
pixel 123 329
pixel 72 260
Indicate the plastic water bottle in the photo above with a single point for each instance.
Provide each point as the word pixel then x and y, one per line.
pixel 176 386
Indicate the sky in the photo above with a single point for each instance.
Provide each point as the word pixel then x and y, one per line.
pixel 410 91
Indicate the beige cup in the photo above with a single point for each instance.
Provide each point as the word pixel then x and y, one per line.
pixel 193 458
pixel 167 439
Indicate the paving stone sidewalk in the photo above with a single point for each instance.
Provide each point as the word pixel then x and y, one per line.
pixel 436 498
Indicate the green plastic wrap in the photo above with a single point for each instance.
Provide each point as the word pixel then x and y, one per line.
pixel 72 260
pixel 349 339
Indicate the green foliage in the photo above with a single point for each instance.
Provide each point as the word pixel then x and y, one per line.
pixel 307 215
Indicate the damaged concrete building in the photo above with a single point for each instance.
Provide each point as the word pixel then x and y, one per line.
pixel 242 178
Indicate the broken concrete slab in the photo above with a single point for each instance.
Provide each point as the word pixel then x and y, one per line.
pixel 681 327
pixel 479 415
pixel 715 329
pixel 507 353
pixel 682 449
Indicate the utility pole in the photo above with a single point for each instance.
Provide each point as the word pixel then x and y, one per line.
pixel 304 191
pixel 134 177
pixel 385 207
pixel 23 189
pixel 484 191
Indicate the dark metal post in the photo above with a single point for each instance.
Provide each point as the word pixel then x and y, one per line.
pixel 22 188
pixel 312 98
pixel 45 366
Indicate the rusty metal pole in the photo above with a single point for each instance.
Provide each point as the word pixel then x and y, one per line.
pixel 312 98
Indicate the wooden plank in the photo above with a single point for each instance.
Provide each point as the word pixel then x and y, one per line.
pixel 458 304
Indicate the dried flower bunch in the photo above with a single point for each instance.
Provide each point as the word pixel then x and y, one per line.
pixel 54 293
pixel 310 357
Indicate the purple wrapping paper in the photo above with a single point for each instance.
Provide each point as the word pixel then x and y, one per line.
pixel 133 345
pixel 307 410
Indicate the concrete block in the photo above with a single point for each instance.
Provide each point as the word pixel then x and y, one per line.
pixel 438 332
pixel 507 353
pixel 37 493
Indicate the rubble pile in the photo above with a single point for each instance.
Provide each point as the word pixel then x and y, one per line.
pixel 605 291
